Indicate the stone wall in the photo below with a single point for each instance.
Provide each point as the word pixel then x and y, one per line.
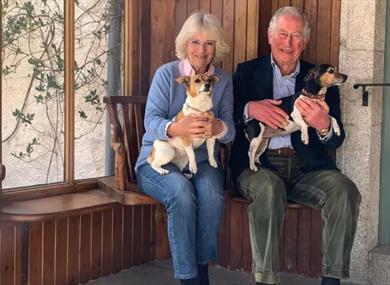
pixel 362 38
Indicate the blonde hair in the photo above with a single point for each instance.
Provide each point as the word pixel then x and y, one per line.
pixel 292 12
pixel 201 22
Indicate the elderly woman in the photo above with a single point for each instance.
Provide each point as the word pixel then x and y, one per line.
pixel 194 203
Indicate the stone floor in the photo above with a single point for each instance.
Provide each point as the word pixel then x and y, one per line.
pixel 160 273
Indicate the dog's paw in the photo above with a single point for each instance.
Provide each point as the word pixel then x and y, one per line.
pixel 162 171
pixel 253 167
pixel 213 162
pixel 193 168
pixel 305 139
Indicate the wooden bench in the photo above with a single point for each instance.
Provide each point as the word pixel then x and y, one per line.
pixel 300 245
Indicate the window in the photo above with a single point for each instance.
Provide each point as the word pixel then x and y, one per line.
pixel 59 58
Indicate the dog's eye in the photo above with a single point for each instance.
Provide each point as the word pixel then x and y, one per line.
pixel 331 70
pixel 197 80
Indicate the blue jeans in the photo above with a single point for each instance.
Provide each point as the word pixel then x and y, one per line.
pixel 194 207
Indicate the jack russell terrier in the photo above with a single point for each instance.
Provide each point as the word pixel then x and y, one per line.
pixel 180 150
pixel 317 81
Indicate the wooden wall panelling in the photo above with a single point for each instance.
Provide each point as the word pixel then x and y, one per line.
pixel 246 245
pixel 117 240
pixel 35 254
pixel 96 260
pixel 160 233
pixel 8 249
pixel 145 58
pixel 298 3
pixel 132 48
pixel 335 32
pixel 252 29
pixel 310 53
pixel 147 235
pixel 48 252
pixel 216 9
pixel 324 25
pixel 85 247
pixel 240 19
pixel 137 235
pixel 192 6
pixel 228 25
pixel 21 253
pixel 282 247
pixel 315 236
pixel 162 38
pixel 265 14
pixel 224 235
pixel 180 15
pixel 61 246
pixel 73 250
pixel 236 235
pixel 303 243
pixel 128 237
pixel 290 243
pixel 107 242
pixel 204 6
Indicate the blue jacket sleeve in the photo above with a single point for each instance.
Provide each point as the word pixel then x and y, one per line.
pixel 225 112
pixel 157 105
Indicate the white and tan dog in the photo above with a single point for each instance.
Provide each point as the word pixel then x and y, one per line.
pixel 180 150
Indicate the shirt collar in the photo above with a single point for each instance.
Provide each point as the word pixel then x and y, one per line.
pixel 293 74
pixel 186 69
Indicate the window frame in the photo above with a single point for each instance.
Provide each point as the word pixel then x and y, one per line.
pixel 131 9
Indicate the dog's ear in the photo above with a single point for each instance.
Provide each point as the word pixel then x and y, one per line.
pixel 310 75
pixel 214 79
pixel 183 80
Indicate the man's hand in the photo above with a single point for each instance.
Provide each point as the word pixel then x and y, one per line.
pixel 268 112
pixel 315 113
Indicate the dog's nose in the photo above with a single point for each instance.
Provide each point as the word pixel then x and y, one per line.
pixel 207 85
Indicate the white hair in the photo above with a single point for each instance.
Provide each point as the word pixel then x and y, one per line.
pixel 210 26
pixel 292 12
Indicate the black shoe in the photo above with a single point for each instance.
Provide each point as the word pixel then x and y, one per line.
pixel 203 274
pixel 261 283
pixel 192 281
pixel 326 280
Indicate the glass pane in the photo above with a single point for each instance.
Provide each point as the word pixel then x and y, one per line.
pixel 33 92
pixel 98 71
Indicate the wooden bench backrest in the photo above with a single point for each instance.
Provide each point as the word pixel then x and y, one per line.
pixel 126 123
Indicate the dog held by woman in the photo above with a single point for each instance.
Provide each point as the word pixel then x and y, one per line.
pixel 317 81
pixel 180 150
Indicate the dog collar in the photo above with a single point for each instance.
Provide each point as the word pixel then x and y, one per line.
pixel 196 109
pixel 320 96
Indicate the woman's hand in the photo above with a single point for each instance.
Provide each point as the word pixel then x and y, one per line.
pixel 196 126
pixel 212 127
pixel 192 125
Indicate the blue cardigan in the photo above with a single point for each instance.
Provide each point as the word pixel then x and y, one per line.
pixel 166 98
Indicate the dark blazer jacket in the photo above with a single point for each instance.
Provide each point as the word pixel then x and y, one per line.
pixel 253 80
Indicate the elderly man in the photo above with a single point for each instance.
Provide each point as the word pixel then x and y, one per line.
pixel 307 171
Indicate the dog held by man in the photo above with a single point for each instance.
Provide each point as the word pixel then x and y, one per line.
pixel 317 81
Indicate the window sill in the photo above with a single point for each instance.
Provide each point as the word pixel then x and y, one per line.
pixel 53 207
